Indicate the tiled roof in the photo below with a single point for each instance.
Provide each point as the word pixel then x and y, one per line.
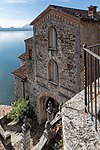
pixel 29 39
pixel 77 13
pixel 20 72
pixel 24 56
pixel 81 14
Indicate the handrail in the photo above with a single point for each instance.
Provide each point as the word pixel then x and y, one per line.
pixel 93 46
pixel 92 53
pixel 92 80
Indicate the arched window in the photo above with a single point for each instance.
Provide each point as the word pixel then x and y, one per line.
pixel 52 38
pixel 53 71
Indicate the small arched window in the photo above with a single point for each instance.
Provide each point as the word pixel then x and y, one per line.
pixel 53 71
pixel 52 38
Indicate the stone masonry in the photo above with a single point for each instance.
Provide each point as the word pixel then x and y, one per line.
pixel 78 129
pixel 72 31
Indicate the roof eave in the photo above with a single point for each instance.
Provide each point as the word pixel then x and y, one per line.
pixel 75 19
pixel 42 14
pixel 22 79
pixel 90 19
pixel 15 73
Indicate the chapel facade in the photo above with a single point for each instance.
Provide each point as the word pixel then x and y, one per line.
pixel 51 68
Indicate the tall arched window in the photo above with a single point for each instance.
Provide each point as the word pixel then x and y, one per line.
pixel 52 38
pixel 53 71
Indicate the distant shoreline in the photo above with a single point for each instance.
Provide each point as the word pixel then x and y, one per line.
pixel 15 30
pixel 26 27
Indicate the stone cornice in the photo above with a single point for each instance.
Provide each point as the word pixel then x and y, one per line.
pixel 57 14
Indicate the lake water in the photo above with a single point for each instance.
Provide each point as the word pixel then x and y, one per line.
pixel 11 46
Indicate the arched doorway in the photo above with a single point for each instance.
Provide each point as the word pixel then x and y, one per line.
pixel 55 105
pixel 44 100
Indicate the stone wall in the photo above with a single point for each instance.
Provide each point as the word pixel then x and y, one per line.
pixel 99 32
pixel 30 71
pixel 18 88
pixel 89 35
pixel 66 56
pixel 78 129
pixel 22 62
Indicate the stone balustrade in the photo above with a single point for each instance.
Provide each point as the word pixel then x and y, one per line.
pixel 5 138
pixel 78 129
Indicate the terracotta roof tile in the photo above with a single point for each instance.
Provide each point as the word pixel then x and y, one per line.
pixel 21 72
pixel 24 56
pixel 81 14
pixel 29 39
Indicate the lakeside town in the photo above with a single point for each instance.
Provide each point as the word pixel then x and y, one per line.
pixel 57 85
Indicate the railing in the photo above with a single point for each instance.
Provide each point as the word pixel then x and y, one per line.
pixel 92 81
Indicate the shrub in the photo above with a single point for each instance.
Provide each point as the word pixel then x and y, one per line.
pixel 20 109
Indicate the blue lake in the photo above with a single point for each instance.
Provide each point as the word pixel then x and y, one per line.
pixel 11 46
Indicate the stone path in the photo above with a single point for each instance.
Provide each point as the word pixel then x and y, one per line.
pixel 16 140
pixel 4 110
pixel 15 137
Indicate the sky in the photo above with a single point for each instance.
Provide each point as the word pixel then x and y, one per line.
pixel 16 13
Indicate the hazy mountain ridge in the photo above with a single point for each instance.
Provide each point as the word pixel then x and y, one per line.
pixel 26 27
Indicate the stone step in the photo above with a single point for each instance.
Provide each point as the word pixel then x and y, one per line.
pixel 15 137
pixel 2 132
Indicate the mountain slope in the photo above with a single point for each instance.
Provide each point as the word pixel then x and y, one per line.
pixel 27 26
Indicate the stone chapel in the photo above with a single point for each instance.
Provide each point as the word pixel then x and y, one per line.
pixel 51 68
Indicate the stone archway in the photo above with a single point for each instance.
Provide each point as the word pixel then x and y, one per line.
pixel 43 103
pixel 55 104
